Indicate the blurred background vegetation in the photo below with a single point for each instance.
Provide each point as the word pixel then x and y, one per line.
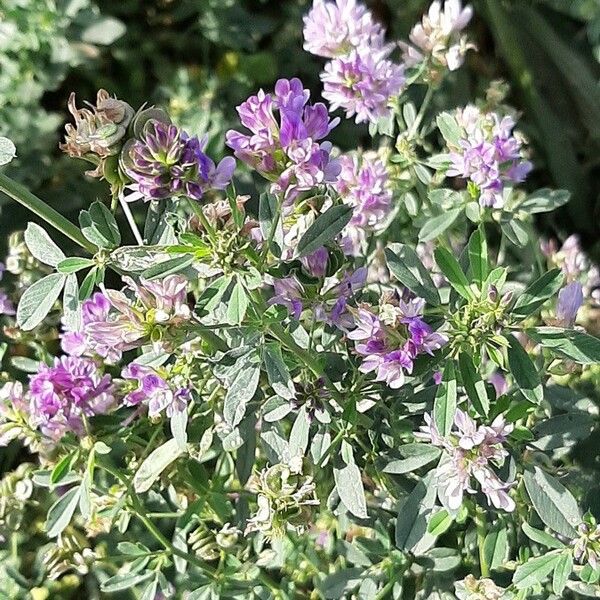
pixel 203 57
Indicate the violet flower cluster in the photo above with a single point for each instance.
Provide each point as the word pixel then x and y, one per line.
pixel 285 145
pixel 470 452
pixel 359 78
pixel 390 341
pixel 488 154
pixel 364 184
pixel 166 162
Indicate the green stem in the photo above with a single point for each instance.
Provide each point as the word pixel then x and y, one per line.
pixel 197 210
pixel 23 196
pixel 424 106
pixel 480 523
pixel 385 589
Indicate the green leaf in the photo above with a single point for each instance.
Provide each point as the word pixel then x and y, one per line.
pixel 103 31
pixel 570 343
pixel 474 385
pixel 554 504
pixel 87 285
pixel 168 267
pixel 495 547
pixel 563 431
pixel 268 207
pixel 38 300
pixel 537 293
pixel 444 405
pixel 157 229
pixel 119 583
pixel 449 128
pixel 408 269
pixel 242 389
pixel 238 304
pixel 149 592
pixel 74 264
pixel 61 512
pixel 71 305
pixel 155 463
pixel 105 223
pixel 211 296
pixel 325 229
pixel 435 226
pixel 349 485
pixel 411 523
pixel 415 456
pixel 545 200
pixel 439 523
pixel 335 586
pixel 478 256
pixel 299 434
pixel 561 574
pixel 41 245
pixel 535 570
pixel 277 372
pixel 524 371
pixel 515 231
pixel 453 272
pixel 8 151
pixel 61 469
pixel 541 537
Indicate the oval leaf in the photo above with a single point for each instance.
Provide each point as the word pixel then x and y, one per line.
pixel 38 300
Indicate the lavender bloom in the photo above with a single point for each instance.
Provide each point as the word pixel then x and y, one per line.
pixel 470 451
pixel 570 299
pixel 586 547
pixel 6 304
pixel 488 155
pixel 288 293
pixel 62 394
pixel 391 341
pixel 335 28
pixel 438 37
pixel 286 149
pixel 166 162
pixel 315 263
pixel 364 185
pixel 362 84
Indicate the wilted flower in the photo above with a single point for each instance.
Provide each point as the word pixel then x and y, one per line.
pixel 362 84
pixel 488 154
pixel 470 451
pixel 98 132
pixel 166 162
pixel 336 28
pixel 389 342
pixel 570 299
pixel 478 589
pixel 286 149
pixel 437 37
pixel 61 395
pixel 363 184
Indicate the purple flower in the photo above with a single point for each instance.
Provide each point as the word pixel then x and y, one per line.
pixel 362 84
pixel 286 149
pixel 288 293
pixel 315 263
pixel 6 304
pixel 570 299
pixel 335 28
pixel 166 162
pixel 438 37
pixel 61 395
pixel 488 155
pixel 470 452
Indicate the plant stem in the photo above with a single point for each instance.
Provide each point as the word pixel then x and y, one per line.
pixel 23 196
pixel 132 224
pixel 419 118
pixel 480 523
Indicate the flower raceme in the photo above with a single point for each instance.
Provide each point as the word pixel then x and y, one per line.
pixel 470 452
pixel 285 142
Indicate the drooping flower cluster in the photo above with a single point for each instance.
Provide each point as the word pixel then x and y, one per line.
pixel 286 149
pixel 470 452
pixel 62 394
pixel 363 184
pixel 359 78
pixel 152 312
pixel 438 37
pixel 391 340
pixel 166 162
pixel 488 155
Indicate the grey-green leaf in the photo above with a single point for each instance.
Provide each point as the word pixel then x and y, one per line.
pixel 535 570
pixel 8 150
pixel 444 405
pixel 38 300
pixel 241 390
pixel 575 345
pixel 435 226
pixel 155 463
pixel 277 372
pixel 524 371
pixel 349 485
pixel 325 229
pixel 71 304
pixel 537 293
pixel 474 385
pixel 41 245
pixel 61 512
pixel 541 537
pixel 414 456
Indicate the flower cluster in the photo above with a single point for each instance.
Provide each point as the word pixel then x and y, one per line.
pixel 487 154
pixel 359 78
pixel 286 149
pixel 390 341
pixel 363 184
pixel 438 37
pixel 63 394
pixel 586 547
pixel 166 162
pixel 470 451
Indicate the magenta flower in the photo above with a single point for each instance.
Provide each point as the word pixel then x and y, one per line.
pixel 286 149
pixel 469 453
pixel 61 395
pixel 362 84
pixel 336 28
pixel 166 162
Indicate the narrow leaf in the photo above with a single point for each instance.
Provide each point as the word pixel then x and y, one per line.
pixel 524 371
pixel 473 384
pixel 348 483
pixel 325 229
pixel 61 512
pixel 570 343
pixel 435 226
pixel 453 272
pixel 444 406
pixel 537 293
pixel 155 463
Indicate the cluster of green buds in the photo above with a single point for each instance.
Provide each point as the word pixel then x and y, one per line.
pixel 70 553
pixel 478 324
pixel 284 498
pixel 209 539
